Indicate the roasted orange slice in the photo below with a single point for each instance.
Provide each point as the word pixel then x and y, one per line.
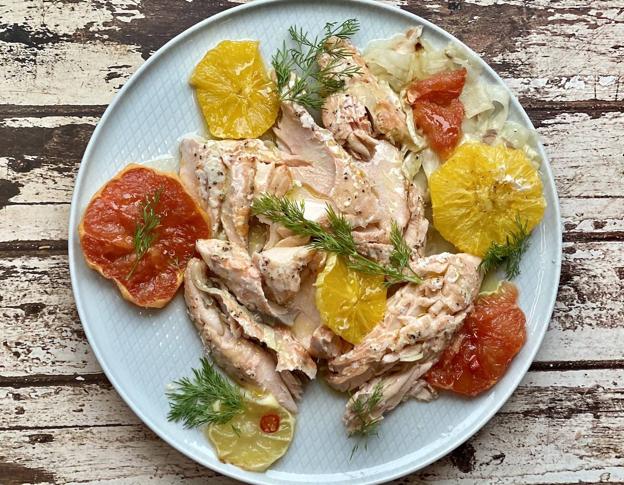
pixel 140 230
pixel 479 194
pixel 350 303
pixel 234 91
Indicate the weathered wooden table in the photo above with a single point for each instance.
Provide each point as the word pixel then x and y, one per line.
pixel 64 60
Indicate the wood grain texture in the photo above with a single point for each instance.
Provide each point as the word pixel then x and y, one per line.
pixel 555 414
pixel 40 332
pixel 39 160
pixel 113 38
pixel 60 420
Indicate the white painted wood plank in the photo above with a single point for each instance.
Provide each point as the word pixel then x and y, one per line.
pixel 534 58
pixel 34 222
pixel 597 216
pixel 589 310
pixel 47 81
pixel 584 151
pixel 40 332
pixel 52 406
pixel 60 18
pixel 565 424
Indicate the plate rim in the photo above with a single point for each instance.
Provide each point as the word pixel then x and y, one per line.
pixel 261 478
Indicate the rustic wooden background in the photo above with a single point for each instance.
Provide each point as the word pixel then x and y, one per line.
pixel 63 61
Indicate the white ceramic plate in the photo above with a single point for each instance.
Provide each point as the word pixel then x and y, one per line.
pixel 142 351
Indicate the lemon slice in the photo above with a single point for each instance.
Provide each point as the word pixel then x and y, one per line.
pixel 256 438
pixel 480 191
pixel 234 91
pixel 351 303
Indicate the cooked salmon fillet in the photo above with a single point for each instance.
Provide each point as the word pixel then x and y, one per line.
pixel 242 359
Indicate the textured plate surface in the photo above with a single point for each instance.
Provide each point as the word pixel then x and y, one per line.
pixel 142 351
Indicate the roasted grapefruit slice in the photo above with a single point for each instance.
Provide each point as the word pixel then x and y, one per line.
pixel 140 230
pixel 493 333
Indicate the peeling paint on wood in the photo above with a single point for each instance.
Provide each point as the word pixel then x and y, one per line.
pixel 61 421
pixel 46 337
pixel 40 332
pixel 34 222
pixel 39 157
pixel 113 38
pixel 572 417
pixel 585 152
pixel 592 217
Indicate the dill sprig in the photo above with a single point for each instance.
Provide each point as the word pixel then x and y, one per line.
pixel 207 398
pixel 509 253
pixel 299 77
pixel 338 239
pixel 144 235
pixel 401 254
pixel 362 408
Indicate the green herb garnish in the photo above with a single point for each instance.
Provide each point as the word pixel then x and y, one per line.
pixel 401 252
pixel 144 235
pixel 363 408
pixel 207 398
pixel 338 239
pixel 312 83
pixel 509 253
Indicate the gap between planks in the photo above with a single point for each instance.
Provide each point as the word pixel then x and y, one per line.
pixel 75 380
pixel 100 379
pixel 12 249
pixel 592 106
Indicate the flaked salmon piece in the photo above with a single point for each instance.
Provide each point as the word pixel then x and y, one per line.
pixel 233 265
pixel 276 180
pixel 379 252
pixel 221 175
pixel 272 178
pixel 384 170
pixel 203 174
pixel 365 109
pixel 372 242
pixel 280 237
pixel 293 383
pixel 416 231
pixel 290 354
pixel 395 388
pixel 281 269
pixel 292 241
pixel 318 162
pixel 262 178
pixel 239 196
pixel 350 123
pixel 241 359
pixel 325 344
pixel 308 319
pixel 419 323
